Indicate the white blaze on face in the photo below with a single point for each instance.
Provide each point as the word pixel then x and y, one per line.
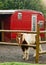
pixel 29 38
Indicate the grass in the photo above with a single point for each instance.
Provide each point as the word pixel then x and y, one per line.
pixel 18 63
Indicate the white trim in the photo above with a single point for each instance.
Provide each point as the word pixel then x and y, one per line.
pixel 7 11
pixel 12 11
pixel 34 15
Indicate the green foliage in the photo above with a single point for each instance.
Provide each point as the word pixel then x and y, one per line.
pixel 22 4
pixel 1 5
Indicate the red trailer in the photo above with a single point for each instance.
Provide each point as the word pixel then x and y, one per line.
pixel 21 20
pixel 26 20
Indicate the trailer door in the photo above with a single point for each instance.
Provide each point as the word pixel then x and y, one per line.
pixel 34 22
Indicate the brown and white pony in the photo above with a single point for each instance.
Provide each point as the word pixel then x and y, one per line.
pixel 25 38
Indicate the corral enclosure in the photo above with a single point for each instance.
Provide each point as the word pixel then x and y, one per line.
pixel 19 20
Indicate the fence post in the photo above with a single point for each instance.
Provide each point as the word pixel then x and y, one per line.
pixel 37 44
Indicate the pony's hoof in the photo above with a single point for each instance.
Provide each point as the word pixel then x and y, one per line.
pixel 23 58
pixel 34 55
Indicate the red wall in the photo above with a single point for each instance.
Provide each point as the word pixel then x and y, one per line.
pixel 6 21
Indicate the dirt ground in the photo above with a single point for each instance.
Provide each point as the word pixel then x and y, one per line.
pixel 14 54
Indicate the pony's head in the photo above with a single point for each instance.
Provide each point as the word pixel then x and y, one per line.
pixel 19 38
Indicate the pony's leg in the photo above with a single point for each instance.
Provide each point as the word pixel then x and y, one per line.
pixel 34 53
pixel 27 54
pixel 40 47
pixel 40 50
pixel 24 54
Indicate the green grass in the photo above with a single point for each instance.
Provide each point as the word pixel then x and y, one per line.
pixel 18 63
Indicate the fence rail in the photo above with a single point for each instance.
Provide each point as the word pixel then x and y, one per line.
pixel 19 31
pixel 16 44
pixel 43 31
pixel 42 42
pixel 22 31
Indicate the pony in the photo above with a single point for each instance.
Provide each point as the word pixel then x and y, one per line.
pixel 26 38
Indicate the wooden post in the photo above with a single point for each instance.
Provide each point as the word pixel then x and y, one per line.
pixel 37 44
pixel 45 29
pixel 2 32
